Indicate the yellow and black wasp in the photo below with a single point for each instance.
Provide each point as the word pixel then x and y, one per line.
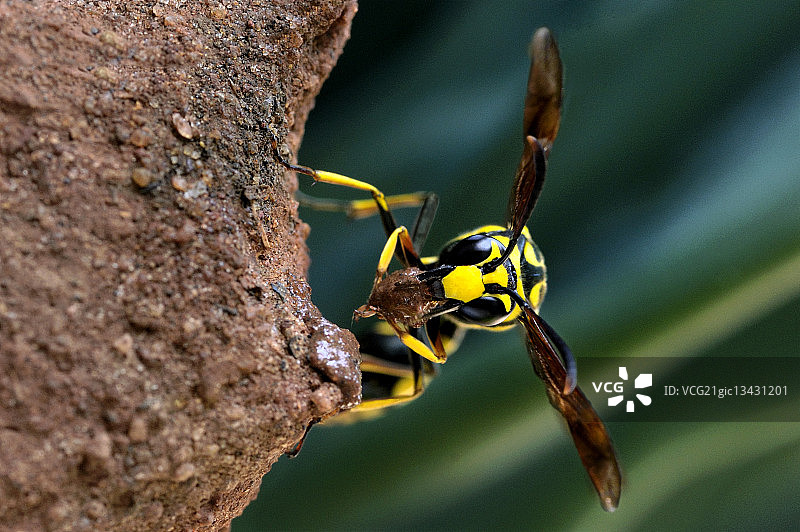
pixel 493 277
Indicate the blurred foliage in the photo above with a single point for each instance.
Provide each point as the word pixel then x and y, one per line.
pixel 670 221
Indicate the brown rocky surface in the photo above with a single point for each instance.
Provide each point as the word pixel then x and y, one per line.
pixel 158 347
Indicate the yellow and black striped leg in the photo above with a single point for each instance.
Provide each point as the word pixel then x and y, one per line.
pixel 444 335
pixel 401 237
pixel 332 178
pixel 437 354
pixel 357 209
pixel 407 254
pixel 323 176
pixel 409 384
pixel 380 204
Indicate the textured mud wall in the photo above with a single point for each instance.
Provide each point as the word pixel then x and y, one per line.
pixel 158 348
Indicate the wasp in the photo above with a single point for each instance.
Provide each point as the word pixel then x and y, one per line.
pixel 493 277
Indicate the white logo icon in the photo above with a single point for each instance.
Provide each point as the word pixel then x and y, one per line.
pixel 643 380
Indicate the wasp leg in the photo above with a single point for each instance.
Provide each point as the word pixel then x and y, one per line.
pixel 371 364
pixel 445 335
pixel 299 445
pixel 377 404
pixel 323 176
pixel 357 209
pixel 407 253
pixel 435 337
pixel 437 354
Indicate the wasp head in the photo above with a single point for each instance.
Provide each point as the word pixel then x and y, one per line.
pixel 401 297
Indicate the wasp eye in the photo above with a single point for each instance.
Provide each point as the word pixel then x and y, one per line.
pixel 467 251
pixel 485 311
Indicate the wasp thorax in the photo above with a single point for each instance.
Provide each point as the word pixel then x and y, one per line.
pixel 401 297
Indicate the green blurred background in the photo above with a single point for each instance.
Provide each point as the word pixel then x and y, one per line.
pixel 670 222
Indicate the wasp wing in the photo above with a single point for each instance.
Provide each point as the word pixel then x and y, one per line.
pixel 526 188
pixel 543 99
pixel 541 120
pixel 587 429
pixel 424 221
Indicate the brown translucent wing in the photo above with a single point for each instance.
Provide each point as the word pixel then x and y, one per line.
pixel 587 429
pixel 540 126
pixel 527 186
pixel 543 99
